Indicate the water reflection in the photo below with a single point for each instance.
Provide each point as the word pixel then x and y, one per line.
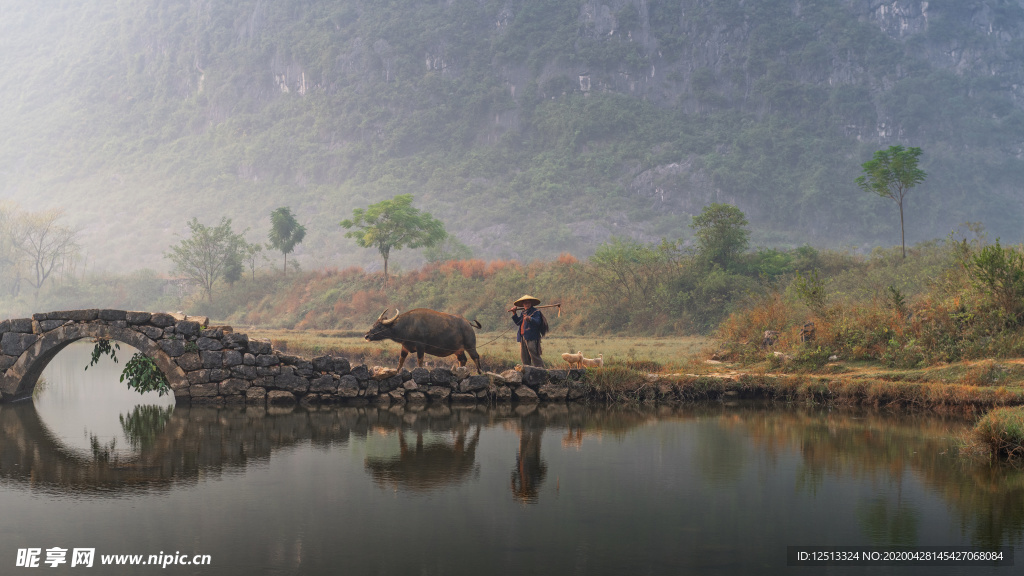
pixel 696 472
pixel 427 467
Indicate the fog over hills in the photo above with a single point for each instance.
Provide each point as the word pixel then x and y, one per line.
pixel 530 127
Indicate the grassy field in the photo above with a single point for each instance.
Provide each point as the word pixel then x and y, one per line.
pixel 498 351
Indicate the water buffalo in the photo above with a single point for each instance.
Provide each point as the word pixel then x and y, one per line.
pixel 428 331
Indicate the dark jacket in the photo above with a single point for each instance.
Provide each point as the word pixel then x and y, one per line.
pixel 531 330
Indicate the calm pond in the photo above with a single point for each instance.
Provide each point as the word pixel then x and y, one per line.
pixel 554 489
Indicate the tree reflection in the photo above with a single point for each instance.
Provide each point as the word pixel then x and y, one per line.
pixel 144 424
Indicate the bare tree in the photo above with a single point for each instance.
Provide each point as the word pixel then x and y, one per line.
pixel 43 243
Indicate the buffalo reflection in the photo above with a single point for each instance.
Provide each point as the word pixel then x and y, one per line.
pixel 427 466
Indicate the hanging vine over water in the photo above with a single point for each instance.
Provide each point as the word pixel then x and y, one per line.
pixel 141 371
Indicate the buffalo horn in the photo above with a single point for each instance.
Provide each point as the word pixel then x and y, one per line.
pixel 381 317
pixel 392 320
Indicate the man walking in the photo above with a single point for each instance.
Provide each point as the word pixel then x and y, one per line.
pixel 532 326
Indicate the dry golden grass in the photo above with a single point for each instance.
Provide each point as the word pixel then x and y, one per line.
pixel 498 350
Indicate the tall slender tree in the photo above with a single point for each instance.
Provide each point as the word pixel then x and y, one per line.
pixel 204 256
pixel 285 232
pixel 392 225
pixel 891 174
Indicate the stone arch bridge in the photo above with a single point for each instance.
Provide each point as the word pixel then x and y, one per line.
pixel 214 364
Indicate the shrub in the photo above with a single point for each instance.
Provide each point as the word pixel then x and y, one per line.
pixel 1003 430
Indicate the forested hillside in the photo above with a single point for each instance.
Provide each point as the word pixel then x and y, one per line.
pixel 530 127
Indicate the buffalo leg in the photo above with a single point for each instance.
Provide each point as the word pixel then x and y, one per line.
pixel 476 359
pixel 462 357
pixel 420 350
pixel 402 360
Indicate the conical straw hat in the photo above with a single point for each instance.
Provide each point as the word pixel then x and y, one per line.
pixel 522 301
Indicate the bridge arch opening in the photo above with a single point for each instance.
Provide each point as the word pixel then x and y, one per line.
pixel 90 413
pixel 20 379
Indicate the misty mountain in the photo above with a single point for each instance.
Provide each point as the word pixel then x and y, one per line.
pixel 530 127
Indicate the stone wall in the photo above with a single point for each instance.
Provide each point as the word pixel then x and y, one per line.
pixel 213 364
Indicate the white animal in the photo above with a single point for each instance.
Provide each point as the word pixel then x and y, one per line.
pixel 574 360
pixel 594 362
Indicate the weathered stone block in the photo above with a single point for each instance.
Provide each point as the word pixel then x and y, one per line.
pixel 441 376
pixel 410 385
pixel 243 371
pixel 275 397
pixel 304 369
pixel 232 358
pixel 6 362
pixel 348 386
pixel 76 315
pixel 360 372
pixel 289 380
pixel 173 348
pixel 524 393
pixel 198 376
pixel 268 370
pixel 238 342
pixel 415 397
pixel 267 360
pixel 204 343
pixel 322 363
pixel 151 332
pixel 215 333
pixel 212 358
pixel 461 373
pixel 187 328
pixel 248 359
pixel 255 394
pixel 421 376
pixel 438 393
pixel 397 396
pixel 113 315
pixel 534 377
pixel 552 392
pixel 202 390
pixel 260 346
pixel 289 359
pixel 23 325
pixel 390 384
pixel 162 320
pixel 325 383
pixel 218 374
pixel 14 343
pixel 264 382
pixel 512 377
pixel 234 386
pixel 502 394
pixel 340 365
pixel 190 361
pixel 372 389
pixel 463 398
pixel 138 317
pixel 474 383
pixel 47 325
pixel 169 332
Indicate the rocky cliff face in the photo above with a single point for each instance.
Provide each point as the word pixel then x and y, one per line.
pixel 627 115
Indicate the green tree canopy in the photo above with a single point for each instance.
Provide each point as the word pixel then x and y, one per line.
pixel 722 235
pixel 891 174
pixel 285 232
pixel 207 254
pixel 392 225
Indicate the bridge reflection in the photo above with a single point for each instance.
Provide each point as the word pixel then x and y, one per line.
pixel 431 448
